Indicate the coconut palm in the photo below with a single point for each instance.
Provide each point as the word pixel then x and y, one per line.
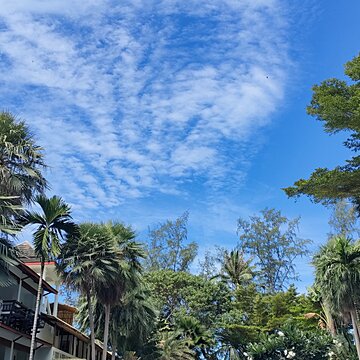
pixel 21 161
pixel 236 271
pixel 89 260
pixel 127 276
pixel 52 223
pixel 338 277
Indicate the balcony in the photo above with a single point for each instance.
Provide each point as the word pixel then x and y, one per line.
pixel 18 317
pixel 61 355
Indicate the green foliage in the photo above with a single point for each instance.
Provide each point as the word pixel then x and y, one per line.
pixel 127 255
pixel 207 266
pixel 88 258
pixel 234 309
pixel 337 268
pixel 337 104
pixel 291 343
pixel 167 248
pixel 244 300
pixel 9 216
pixel 343 348
pixel 338 278
pixel 127 274
pixel 53 223
pixel 172 346
pixel 102 262
pixel 21 161
pixel 272 240
pixel 270 311
pixel 235 270
pixel 132 320
pixel 190 306
pixel 201 338
pixel 237 336
pixel 181 293
pixel 343 220
pixel 9 226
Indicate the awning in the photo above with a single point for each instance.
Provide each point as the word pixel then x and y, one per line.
pixel 33 275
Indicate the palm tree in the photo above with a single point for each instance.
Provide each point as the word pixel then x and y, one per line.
pixel 236 271
pixel 52 223
pixel 173 347
pixel 127 277
pixel 326 318
pixel 21 161
pixel 8 227
pixel 89 260
pixel 131 321
pixel 201 338
pixel 338 277
pixel 9 214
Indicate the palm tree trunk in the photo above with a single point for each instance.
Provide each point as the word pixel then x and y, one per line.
pixel 92 326
pixel 356 333
pixel 36 315
pixel 331 325
pixel 113 347
pixel 106 330
pixel 330 322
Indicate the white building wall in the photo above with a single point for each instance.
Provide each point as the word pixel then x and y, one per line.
pixel 44 353
pixel 46 334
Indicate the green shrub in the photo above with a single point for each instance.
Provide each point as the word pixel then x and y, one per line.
pixel 291 343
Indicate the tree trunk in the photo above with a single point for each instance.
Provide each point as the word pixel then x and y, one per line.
pixel 92 327
pixel 356 333
pixel 106 330
pixel 113 346
pixel 331 325
pixel 36 315
pixel 330 322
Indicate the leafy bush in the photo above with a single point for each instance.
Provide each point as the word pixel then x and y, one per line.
pixel 343 348
pixel 291 343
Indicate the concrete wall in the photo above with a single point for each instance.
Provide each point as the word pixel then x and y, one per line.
pixel 46 334
pixel 44 353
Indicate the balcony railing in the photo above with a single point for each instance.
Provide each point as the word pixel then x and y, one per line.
pixel 61 355
pixel 17 316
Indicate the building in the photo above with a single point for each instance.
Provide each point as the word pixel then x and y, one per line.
pixel 56 338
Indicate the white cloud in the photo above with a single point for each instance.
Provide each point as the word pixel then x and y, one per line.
pixel 133 98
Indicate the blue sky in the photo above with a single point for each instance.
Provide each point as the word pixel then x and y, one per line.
pixel 150 108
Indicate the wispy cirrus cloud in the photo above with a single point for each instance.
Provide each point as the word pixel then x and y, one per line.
pixel 143 97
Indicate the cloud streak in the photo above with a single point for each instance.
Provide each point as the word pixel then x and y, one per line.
pixel 144 97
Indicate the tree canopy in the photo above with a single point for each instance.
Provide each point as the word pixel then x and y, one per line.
pixel 337 104
pixel 168 247
pixel 21 161
pixel 271 239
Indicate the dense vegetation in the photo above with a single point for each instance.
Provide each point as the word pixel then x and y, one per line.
pixel 146 301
